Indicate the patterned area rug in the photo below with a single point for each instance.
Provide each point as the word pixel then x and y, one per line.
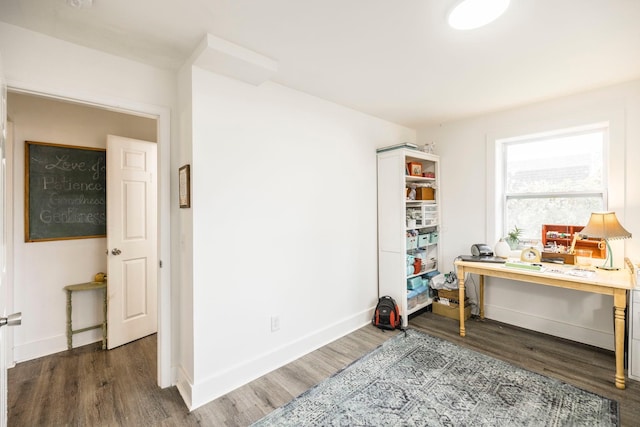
pixel 420 380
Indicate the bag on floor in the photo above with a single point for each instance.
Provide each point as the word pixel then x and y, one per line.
pixel 387 314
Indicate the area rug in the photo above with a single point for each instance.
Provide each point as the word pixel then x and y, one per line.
pixel 420 380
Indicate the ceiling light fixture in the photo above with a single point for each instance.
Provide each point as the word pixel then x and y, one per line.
pixel 470 14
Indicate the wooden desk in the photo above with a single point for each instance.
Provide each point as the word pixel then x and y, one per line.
pixel 615 283
pixel 87 287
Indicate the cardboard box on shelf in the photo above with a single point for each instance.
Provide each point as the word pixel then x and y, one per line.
pixel 452 295
pixel 425 193
pixel 451 311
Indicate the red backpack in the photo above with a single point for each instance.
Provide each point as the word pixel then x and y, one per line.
pixel 387 314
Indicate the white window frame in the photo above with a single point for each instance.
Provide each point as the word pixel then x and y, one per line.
pixel 614 157
pixel 501 147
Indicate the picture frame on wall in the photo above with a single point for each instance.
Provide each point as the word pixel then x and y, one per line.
pixel 184 180
pixel 65 192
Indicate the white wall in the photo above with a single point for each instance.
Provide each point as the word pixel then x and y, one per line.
pixel 37 63
pixel 43 64
pixel 42 269
pixel 185 330
pixel 284 224
pixel 468 216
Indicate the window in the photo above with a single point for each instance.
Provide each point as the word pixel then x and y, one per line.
pixel 557 178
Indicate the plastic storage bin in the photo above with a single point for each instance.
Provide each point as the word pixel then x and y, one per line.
pixel 412 296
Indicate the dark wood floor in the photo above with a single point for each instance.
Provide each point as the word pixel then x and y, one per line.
pixel 90 387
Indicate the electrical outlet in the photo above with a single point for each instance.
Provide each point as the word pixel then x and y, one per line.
pixel 275 323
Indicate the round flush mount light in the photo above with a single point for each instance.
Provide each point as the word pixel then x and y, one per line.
pixel 470 14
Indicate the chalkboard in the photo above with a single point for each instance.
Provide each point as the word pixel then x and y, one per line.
pixel 65 192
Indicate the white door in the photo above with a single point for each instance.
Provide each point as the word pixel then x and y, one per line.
pixel 132 275
pixel 13 319
pixel 3 291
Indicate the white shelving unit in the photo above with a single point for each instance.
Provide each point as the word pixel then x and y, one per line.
pixel 396 216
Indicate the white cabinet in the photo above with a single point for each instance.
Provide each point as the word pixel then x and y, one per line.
pixel 408 226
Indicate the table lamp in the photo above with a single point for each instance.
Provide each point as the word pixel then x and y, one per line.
pixel 605 225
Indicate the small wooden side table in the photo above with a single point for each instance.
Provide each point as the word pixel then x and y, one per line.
pixel 87 287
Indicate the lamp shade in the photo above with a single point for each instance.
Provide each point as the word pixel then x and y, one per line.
pixel 605 225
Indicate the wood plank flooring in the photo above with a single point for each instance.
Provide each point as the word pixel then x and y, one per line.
pixel 91 387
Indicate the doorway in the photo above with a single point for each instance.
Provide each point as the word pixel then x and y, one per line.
pixel 86 124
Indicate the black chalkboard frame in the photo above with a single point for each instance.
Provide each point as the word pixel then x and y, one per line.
pixel 74 156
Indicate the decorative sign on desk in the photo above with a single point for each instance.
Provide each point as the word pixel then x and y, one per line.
pixel 65 192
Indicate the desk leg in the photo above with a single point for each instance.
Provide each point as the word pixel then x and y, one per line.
pixel 461 298
pixel 69 330
pixel 619 303
pixel 481 297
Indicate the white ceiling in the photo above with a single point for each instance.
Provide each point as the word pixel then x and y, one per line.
pixel 396 60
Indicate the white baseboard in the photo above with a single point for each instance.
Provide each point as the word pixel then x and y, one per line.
pixel 184 384
pixel 196 395
pixel 51 345
pixel 597 338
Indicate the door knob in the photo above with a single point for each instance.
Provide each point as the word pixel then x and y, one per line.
pixel 11 320
pixel 116 251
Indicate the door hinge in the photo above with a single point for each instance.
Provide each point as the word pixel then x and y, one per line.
pixel 160 263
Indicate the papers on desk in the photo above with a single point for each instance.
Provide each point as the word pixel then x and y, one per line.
pixel 528 266
pixel 580 272
pixel 577 272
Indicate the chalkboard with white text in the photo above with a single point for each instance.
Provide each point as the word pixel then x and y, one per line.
pixel 65 192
